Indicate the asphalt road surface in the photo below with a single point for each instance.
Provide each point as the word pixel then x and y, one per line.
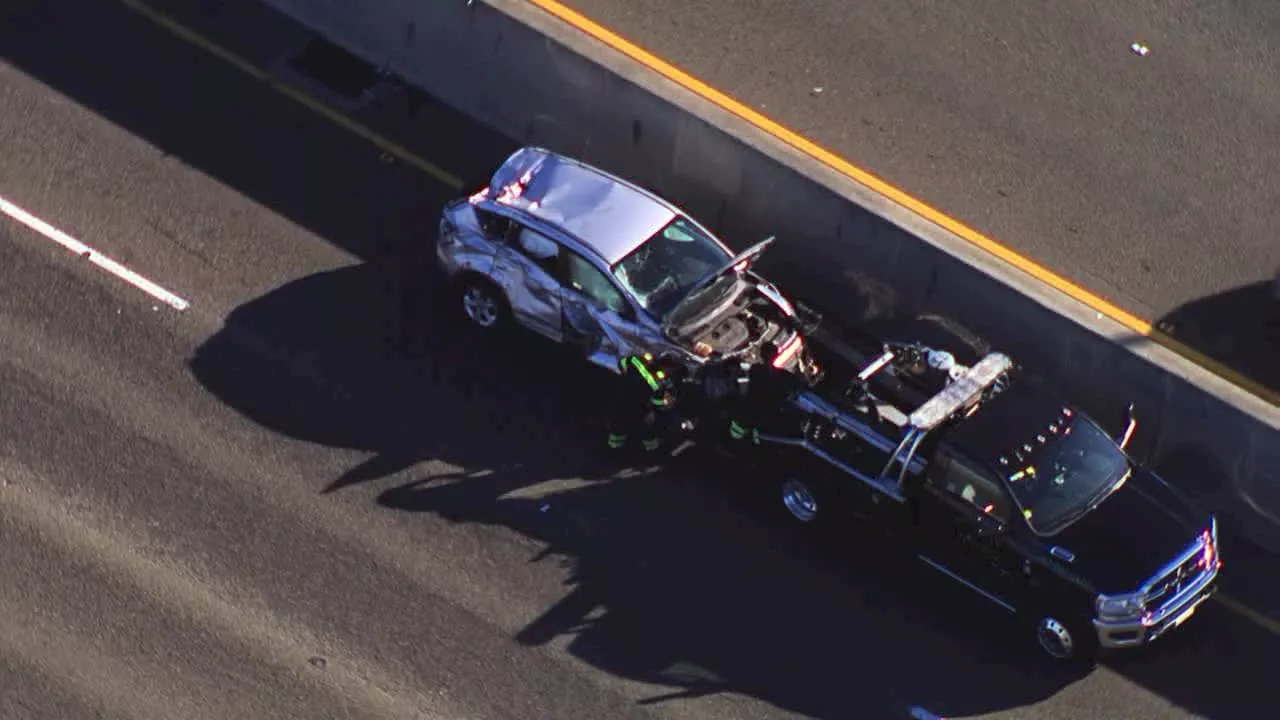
pixel 1150 180
pixel 315 494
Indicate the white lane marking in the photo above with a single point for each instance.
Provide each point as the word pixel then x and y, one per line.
pixel 95 257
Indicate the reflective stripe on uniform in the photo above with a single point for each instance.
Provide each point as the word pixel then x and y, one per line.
pixel 652 443
pixel 644 373
pixel 617 440
pixel 736 431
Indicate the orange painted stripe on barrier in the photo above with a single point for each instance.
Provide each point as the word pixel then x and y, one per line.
pixel 812 149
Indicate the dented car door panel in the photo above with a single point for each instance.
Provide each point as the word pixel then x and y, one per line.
pixel 608 335
pixel 602 332
pixel 533 293
pixel 598 313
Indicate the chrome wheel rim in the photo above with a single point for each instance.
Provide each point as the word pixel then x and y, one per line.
pixel 1055 638
pixel 799 501
pixel 480 306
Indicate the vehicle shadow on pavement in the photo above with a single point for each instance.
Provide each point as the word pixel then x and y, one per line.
pixel 681 576
pixel 324 359
pixel 676 585
pixel 1239 328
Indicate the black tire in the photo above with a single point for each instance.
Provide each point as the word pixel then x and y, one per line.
pixel 482 302
pixel 1063 638
pixel 811 505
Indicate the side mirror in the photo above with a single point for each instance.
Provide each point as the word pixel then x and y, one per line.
pixel 1130 424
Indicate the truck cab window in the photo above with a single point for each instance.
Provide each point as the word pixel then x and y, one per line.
pixel 968 483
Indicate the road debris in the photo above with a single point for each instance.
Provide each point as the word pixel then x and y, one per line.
pixel 1140 49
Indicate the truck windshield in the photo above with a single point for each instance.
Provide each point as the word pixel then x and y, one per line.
pixel 665 267
pixel 1061 471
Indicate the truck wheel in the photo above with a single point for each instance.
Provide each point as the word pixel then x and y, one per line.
pixel 800 499
pixel 1065 639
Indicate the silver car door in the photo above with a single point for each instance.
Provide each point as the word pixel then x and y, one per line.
pixel 525 269
pixel 597 311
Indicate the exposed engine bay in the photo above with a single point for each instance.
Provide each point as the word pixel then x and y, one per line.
pixel 742 330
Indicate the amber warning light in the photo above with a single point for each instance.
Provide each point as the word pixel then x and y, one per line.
pixel 1209 560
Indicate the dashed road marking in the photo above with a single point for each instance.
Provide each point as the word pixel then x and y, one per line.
pixel 93 256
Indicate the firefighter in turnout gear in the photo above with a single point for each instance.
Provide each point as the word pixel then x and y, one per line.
pixel 646 402
pixel 761 408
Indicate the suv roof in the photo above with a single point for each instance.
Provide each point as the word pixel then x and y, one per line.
pixel 606 213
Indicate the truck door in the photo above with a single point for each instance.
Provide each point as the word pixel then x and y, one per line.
pixel 526 270
pixel 962 528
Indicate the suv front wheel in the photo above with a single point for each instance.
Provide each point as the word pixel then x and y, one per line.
pixel 482 302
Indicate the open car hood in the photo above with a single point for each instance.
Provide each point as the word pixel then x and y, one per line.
pixel 739 263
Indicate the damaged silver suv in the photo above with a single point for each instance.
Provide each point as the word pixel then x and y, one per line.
pixel 581 256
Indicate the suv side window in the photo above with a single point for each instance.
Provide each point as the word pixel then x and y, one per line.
pixel 539 248
pixel 584 277
pixel 493 224
pixel 968 483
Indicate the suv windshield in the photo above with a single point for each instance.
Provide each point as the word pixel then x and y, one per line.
pixel 1058 473
pixel 662 270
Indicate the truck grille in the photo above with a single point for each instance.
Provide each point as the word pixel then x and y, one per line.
pixel 1167 588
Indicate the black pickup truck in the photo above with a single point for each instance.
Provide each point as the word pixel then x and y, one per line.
pixel 996 482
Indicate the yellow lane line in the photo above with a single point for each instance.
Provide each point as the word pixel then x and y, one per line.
pixel 839 164
pixel 196 39
pixel 390 148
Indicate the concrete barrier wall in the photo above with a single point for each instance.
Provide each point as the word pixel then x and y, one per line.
pixel 852 252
